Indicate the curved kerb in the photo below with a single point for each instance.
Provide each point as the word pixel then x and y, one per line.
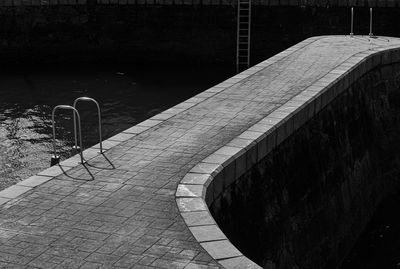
pixel 207 180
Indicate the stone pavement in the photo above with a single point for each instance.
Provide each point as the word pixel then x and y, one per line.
pixel 119 210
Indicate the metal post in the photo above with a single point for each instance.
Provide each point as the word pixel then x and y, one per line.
pixel 238 37
pixel 249 36
pixel 352 22
pixel 99 118
pixel 55 156
pixel 370 23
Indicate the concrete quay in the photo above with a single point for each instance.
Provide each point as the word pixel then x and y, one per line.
pixel 143 203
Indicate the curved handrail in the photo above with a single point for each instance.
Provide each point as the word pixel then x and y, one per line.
pixel 99 118
pixel 67 107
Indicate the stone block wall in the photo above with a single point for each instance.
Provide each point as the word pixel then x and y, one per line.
pixel 305 203
pixel 296 189
pixel 166 30
pixel 310 3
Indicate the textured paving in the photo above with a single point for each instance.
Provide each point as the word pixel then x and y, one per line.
pixel 127 217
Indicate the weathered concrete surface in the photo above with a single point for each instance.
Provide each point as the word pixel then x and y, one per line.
pixel 126 216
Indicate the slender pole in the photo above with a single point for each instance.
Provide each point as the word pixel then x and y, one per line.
pixel 54 131
pixel 352 22
pixel 370 23
pixel 237 36
pixel 80 134
pixel 249 39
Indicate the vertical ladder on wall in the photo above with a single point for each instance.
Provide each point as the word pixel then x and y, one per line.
pixel 243 35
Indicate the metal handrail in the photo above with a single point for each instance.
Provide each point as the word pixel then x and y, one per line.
pixel 67 107
pixel 99 118
pixel 352 22
pixel 370 23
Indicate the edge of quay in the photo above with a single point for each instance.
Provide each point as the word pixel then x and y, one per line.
pixel 206 180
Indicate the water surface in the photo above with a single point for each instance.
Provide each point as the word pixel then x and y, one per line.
pixel 127 95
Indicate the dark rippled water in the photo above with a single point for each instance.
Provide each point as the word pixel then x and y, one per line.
pixel 127 95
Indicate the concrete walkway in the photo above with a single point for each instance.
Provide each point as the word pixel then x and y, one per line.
pixel 119 210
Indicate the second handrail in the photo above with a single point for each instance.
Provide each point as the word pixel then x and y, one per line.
pixel 99 119
pixel 79 125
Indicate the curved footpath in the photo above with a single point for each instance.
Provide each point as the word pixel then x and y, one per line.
pixel 122 209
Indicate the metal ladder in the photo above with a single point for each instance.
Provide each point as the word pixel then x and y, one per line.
pixel 55 159
pixel 243 35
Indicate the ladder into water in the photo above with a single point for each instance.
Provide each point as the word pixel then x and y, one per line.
pixel 243 35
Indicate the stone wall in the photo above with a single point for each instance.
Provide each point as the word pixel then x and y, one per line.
pixel 184 34
pixel 321 3
pixel 305 203
pixel 102 33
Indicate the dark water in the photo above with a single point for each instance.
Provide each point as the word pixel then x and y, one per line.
pixel 127 95
pixel 379 245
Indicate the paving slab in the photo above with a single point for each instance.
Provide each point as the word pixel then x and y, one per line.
pixel 119 209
